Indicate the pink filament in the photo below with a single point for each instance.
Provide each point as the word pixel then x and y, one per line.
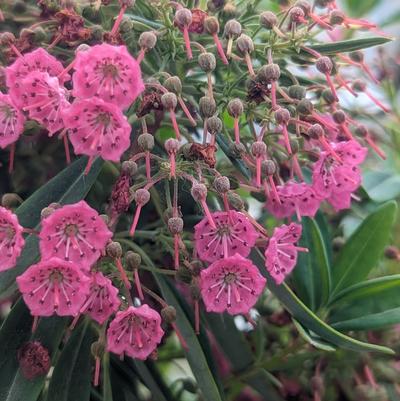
pixel 175 124
pixel 220 49
pixel 135 220
pixel 97 372
pixel 138 285
pixel 186 38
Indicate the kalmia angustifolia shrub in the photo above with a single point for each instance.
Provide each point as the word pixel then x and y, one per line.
pixel 192 75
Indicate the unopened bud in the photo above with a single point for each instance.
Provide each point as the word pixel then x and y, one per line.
pixel 199 192
pixel 258 149
pixel 171 145
pixel 39 34
pixel 10 200
pixel 142 196
pixel 294 145
pixel 236 201
pixel 282 116
pixel 46 212
pixel 184 275
pixel 114 250
pixel 305 107
pixel 268 73
pixel 268 167
pixel 296 14
pixel 211 25
pixel 133 260
pixel 129 167
pixel 175 225
pixel 359 85
pixel 222 184
pixel 207 62
pixel 337 17
pixel 146 142
pixel 237 149
pixel 297 92
pixel 196 267
pixel 147 40
pixel 97 349
pixel 97 32
pixel 173 84
pixel 169 101
pixel 244 44
pixel 339 116
pixel 328 96
pixel 232 29
pixel 168 314
pixel 207 107
pixel 304 5
pixel 268 19
pixel 83 47
pixel 324 64
pixel 126 24
pixel 6 38
pixel 183 17
pixel 315 131
pixel 392 252
pixel 357 56
pixel 214 125
pixel 235 107
pixel 361 130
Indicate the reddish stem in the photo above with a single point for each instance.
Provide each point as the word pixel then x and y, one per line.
pixel 236 129
pixel 180 337
pixel 12 157
pixel 118 21
pixel 220 49
pixel 196 317
pixel 249 64
pixel 140 56
pixel 286 138
pixel 377 102
pixel 186 38
pixel 273 95
pixel 122 273
pixel 135 220
pixel 186 111
pixel 138 285
pixel 88 165
pixel 96 379
pixel 66 147
pixel 331 86
pixel 375 147
pixel 148 166
pixel 207 213
pixel 175 124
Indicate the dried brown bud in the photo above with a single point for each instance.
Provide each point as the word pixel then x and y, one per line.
pixel 133 260
pixel 236 201
pixel 175 225
pixel 211 25
pixel 147 40
pixel 207 107
pixel 169 101
pixel 173 84
pixel 142 196
pixel 146 142
pixel 268 73
pixel 168 314
pixel 297 92
pixel 268 19
pixel 235 107
pixel 222 184
pixel 244 44
pixel 232 29
pixel 114 249
pixel 207 62
pixel 305 107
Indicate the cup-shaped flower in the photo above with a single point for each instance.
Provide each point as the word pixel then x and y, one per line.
pixel 74 233
pixel 11 121
pixel 231 284
pixel 233 234
pixel 54 287
pixel 135 331
pixel 102 300
pixel 11 239
pixel 108 72
pixel 97 128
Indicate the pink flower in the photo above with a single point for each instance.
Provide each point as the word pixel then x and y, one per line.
pixel 11 239
pixel 97 128
pixel 281 253
pixel 135 332
pixel 108 72
pixel 53 286
pixel 233 234
pixel 44 99
pixel 336 180
pixel 37 60
pixel 74 233
pixel 102 300
pixel 231 284
pixel 11 121
pixel 295 198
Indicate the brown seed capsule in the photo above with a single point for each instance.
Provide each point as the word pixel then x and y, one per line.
pixel 141 196
pixel 282 116
pixel 258 149
pixel 183 17
pixel 114 249
pixel 147 40
pixel 199 192
pixel 268 167
pixel 169 100
pixel 339 116
pixel 171 145
pixel 297 92
pixel 146 142
pixel 168 314
pixel 315 131
pixel 328 96
pixel 268 73
pixel 133 260
pixel 222 184
pixel 232 29
pixel 175 225
pixel 324 64
pixel 173 84
pixel 211 25
pixel 305 107
pixel 268 19
pixel 244 44
pixel 207 107
pixel 207 62
pixel 214 125
pixel 235 107
pixel 129 168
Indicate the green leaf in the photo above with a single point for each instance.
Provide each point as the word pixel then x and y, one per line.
pixel 15 331
pixel 308 319
pixel 71 379
pixel 364 248
pixel 310 338
pixel 351 45
pixel 380 186
pixel 69 186
pixel 312 273
pixel 359 8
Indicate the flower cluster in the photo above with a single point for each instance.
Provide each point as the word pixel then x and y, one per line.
pixel 294 146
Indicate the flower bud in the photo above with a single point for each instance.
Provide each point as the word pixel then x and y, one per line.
pixel 357 56
pixel 183 17
pixel 232 29
pixel 184 275
pixel 392 252
pixel 207 62
pixel 268 167
pixel 361 130
pixel 207 107
pixel 173 84
pixel 175 225
pixel 214 125
pixel 129 168
pixel 339 117
pixel 244 44
pixel 133 260
pixel 46 212
pixel 359 85
pixel 39 34
pixel 328 96
pixel 114 249
pixel 236 201
pixel 10 200
pixel 146 142
pixel 211 25
pixel 294 145
pixel 305 107
pixel 235 107
pixel 304 5
pixel 127 3
pixel 237 149
pixel 168 314
pixel 199 192
pixel 222 184
pixel 229 10
pixel 169 101
pixel 141 196
pixel 19 7
pixel 147 40
pixel 338 243
pixel 6 38
pixel 296 14
pixel 97 33
pixel 105 218
pixel 297 92
pixel 315 131
pixel 324 64
pixel 282 116
pixel 171 145
pixel 126 24
pixel 268 19
pixel 83 47
pixel 337 17
pixel 97 349
pixel 195 291
pixel 268 73
pixel 258 149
